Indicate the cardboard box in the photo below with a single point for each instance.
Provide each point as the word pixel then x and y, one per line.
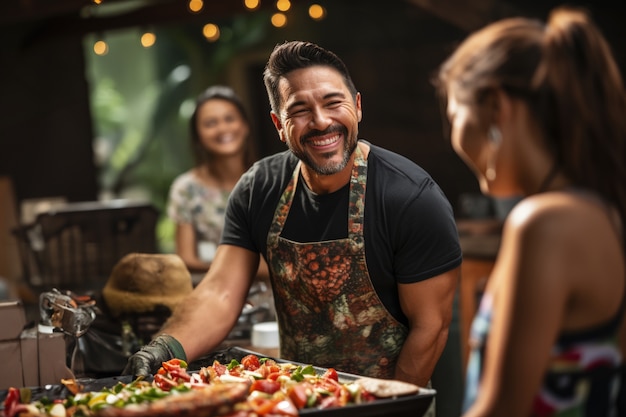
pixel 30 357
pixel 12 320
pixel 11 375
pixel 52 358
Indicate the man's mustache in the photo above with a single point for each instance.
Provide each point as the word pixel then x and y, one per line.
pixel 329 130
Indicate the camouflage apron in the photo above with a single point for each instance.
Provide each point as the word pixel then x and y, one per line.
pixel 328 311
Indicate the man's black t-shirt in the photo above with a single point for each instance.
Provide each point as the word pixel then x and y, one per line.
pixel 409 227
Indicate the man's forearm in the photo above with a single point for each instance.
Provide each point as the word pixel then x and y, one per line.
pixel 196 326
pixel 420 353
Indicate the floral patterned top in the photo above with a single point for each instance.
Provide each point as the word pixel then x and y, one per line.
pixel 192 201
pixel 583 376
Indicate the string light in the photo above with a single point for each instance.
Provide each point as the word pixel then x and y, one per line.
pixel 317 12
pixel 279 20
pixel 283 5
pixel 211 32
pixel 100 47
pixel 251 4
pixel 148 39
pixel 195 5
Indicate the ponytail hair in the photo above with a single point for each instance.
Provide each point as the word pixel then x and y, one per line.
pixel 581 104
pixel 565 72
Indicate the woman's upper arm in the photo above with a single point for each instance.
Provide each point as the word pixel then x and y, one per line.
pixel 185 240
pixel 530 295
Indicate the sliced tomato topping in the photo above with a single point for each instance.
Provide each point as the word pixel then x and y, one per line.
pixel 164 382
pixel 331 373
pixel 274 376
pixel 265 385
pixel 174 364
pixel 263 406
pixel 268 369
pixel 251 362
pixel 219 368
pixel 298 395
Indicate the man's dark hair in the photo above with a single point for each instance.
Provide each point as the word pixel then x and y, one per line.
pixel 293 55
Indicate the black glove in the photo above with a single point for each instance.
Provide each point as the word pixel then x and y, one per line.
pixel 150 358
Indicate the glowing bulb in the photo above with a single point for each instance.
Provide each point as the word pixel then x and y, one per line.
pixel 251 4
pixel 195 5
pixel 279 20
pixel 100 48
pixel 97 1
pixel 283 5
pixel 317 12
pixel 148 39
pixel 211 32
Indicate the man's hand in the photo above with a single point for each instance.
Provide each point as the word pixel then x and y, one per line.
pixel 150 358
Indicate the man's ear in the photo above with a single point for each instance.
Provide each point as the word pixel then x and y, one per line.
pixel 278 125
pixel 359 109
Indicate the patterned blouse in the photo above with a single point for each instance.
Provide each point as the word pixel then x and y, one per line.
pixel 583 376
pixel 192 201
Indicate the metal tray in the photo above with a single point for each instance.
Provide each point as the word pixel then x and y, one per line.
pixel 406 406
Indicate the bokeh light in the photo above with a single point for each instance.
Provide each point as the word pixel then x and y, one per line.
pixel 317 12
pixel 100 47
pixel 283 5
pixel 148 39
pixel 251 4
pixel 211 32
pixel 279 20
pixel 196 5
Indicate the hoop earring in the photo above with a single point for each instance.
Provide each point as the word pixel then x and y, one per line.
pixel 495 138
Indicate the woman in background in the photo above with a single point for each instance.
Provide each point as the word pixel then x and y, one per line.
pixel 539 110
pixel 220 138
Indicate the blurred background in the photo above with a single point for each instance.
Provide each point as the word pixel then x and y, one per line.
pixel 96 94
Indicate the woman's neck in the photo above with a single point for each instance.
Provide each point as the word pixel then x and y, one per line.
pixel 224 172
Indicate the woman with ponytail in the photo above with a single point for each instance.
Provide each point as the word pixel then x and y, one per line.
pixel 539 110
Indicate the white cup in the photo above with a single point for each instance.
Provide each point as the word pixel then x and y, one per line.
pixel 265 335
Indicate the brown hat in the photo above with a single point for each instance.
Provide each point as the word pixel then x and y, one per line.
pixel 139 282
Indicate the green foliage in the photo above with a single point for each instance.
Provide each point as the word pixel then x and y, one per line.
pixel 142 137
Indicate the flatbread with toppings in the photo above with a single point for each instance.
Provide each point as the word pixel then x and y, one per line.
pixel 252 387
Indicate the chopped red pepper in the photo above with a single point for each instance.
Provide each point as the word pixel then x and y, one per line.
pixel 11 401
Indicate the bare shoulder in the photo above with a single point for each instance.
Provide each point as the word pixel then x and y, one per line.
pixel 565 248
pixel 563 239
pixel 560 215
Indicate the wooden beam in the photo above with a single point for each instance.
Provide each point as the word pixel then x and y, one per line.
pixel 468 15
pixel 164 12
pixel 17 11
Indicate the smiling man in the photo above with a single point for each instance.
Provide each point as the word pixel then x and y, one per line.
pixel 361 243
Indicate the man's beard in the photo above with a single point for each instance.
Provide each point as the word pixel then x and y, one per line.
pixel 327 169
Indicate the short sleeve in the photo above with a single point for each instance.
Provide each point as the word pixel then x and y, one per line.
pixel 179 208
pixel 428 242
pixel 237 228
